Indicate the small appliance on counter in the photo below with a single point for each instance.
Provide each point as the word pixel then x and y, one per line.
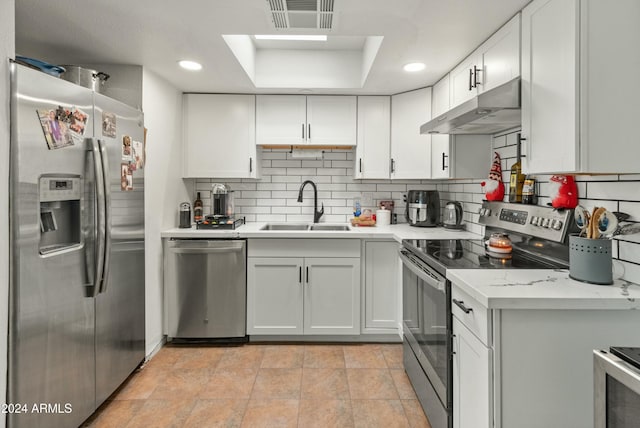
pixel 222 207
pixel 422 208
pixel 185 215
pixel 452 217
pixel 221 201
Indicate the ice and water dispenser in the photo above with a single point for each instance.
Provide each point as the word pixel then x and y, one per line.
pixel 60 212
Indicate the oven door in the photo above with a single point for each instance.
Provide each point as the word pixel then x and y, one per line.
pixel 426 307
pixel 616 392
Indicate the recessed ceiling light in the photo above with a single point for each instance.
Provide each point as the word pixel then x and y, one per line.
pixel 190 65
pixel 414 66
pixel 299 37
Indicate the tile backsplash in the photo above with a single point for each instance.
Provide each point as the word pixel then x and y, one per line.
pixel 614 192
pixel 273 197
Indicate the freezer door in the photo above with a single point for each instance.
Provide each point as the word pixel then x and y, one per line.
pixel 51 338
pixel 120 316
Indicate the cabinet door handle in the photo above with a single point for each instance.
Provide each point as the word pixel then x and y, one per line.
pixel 303 131
pixel 393 165
pixel 360 165
pixel 520 139
pixel 470 78
pixel 444 156
pixel 300 274
pixel 250 164
pixel 460 304
pixel 309 132
pixel 307 274
pixel 476 70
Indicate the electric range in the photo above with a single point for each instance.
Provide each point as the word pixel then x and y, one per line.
pixel 538 238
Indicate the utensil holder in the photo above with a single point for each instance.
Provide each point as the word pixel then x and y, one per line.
pixel 590 260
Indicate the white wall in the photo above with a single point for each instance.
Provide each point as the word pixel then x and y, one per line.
pixel 7 50
pixel 164 189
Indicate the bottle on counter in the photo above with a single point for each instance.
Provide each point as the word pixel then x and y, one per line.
pixel 529 196
pixel 197 209
pixel 516 179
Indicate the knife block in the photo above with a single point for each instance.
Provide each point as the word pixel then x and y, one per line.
pixel 590 260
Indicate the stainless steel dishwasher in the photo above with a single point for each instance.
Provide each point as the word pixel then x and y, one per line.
pixel 206 289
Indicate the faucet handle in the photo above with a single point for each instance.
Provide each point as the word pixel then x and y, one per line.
pixel 318 214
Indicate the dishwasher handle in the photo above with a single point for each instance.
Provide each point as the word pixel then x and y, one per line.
pixel 197 246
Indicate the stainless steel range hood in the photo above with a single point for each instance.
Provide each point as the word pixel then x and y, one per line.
pixel 488 113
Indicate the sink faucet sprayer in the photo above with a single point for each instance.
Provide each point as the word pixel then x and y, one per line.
pixel 316 214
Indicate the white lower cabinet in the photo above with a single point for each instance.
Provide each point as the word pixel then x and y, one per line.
pixel 471 379
pixel 380 286
pixel 313 295
pixel 527 366
pixel 331 296
pixel 275 295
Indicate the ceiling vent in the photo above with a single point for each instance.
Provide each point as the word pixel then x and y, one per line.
pixel 302 14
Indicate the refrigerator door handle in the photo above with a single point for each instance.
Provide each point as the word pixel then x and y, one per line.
pixel 107 215
pixel 100 226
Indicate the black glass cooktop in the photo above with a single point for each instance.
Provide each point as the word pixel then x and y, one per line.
pixel 471 254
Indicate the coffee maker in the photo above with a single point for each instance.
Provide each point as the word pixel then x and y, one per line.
pixel 221 201
pixel 222 210
pixel 422 208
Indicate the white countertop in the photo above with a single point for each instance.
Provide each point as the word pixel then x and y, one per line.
pixel 397 232
pixel 542 289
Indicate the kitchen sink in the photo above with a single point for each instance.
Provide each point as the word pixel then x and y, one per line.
pixel 329 227
pixel 285 226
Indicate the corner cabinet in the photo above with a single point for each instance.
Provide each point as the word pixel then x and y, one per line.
pixel 303 286
pixel 219 136
pixel 374 137
pixel 580 63
pixel 410 150
pixel 319 120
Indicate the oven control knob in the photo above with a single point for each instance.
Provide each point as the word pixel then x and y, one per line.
pixel 487 212
pixel 534 220
pixel 557 224
pixel 482 212
pixel 546 223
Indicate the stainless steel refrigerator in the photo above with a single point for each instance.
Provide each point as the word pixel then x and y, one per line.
pixel 77 249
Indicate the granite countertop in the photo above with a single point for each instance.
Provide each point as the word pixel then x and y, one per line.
pixel 397 232
pixel 542 289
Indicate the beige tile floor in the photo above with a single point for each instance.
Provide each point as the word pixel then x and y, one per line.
pixel 307 385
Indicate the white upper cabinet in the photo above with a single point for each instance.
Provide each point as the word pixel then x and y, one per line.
pixel 306 120
pixel 410 150
pixel 281 119
pixel 440 102
pixel 500 56
pixel 456 156
pixel 495 62
pixel 374 137
pixel 463 78
pixel 331 120
pixel 580 62
pixel 219 136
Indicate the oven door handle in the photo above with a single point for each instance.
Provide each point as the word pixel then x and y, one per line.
pixel 418 270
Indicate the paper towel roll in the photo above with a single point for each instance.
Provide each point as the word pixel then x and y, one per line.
pixel 383 217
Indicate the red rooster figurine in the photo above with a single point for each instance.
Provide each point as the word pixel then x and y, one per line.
pixel 494 187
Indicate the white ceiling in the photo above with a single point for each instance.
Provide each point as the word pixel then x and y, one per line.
pixel 158 33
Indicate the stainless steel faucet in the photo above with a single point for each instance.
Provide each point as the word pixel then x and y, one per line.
pixel 316 214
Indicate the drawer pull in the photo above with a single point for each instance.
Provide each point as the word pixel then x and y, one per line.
pixel 460 304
